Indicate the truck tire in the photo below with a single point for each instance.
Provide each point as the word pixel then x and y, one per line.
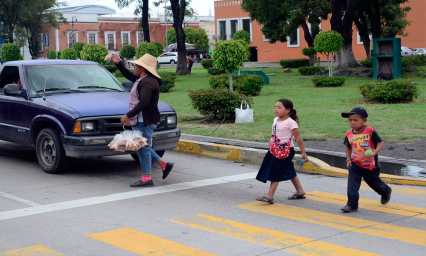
pixel 160 153
pixel 50 151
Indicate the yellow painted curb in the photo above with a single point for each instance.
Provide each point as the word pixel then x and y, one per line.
pixel 255 156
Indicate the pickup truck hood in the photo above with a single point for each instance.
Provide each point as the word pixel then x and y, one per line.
pixel 100 103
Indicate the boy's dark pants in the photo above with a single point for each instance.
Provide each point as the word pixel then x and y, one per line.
pixel 370 177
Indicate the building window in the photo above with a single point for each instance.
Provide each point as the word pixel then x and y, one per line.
pixel 139 37
pixel 72 39
pixel 111 42
pixel 222 30
pixel 265 39
pixel 247 27
pixel 92 38
pixel 359 39
pixel 234 27
pixel 125 37
pixel 40 42
pixel 293 40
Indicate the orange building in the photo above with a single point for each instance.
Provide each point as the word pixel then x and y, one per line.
pixel 230 18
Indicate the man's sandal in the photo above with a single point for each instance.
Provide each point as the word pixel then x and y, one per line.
pixel 296 196
pixel 266 199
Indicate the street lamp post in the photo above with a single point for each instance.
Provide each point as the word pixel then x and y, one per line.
pixel 165 19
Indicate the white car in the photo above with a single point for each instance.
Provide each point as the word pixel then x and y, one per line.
pixel 168 57
pixel 421 51
pixel 407 51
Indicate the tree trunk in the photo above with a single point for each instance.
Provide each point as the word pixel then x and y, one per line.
pixel 178 10
pixel 231 85
pixel 145 24
pixel 307 34
pixel 361 23
pixel 346 58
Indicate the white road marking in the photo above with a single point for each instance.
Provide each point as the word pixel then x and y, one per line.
pixel 19 199
pixel 122 196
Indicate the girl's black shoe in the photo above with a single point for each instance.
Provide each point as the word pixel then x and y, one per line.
pixel 140 183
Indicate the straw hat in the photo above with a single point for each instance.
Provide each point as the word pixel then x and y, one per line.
pixel 149 62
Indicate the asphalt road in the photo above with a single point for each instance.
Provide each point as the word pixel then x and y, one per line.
pixel 205 207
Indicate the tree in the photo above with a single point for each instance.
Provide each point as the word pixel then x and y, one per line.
pixel 310 52
pixel 10 13
pixel 93 52
pixel 229 56
pixel 150 48
pixel 10 52
pixel 197 36
pixel 128 51
pixel 78 47
pixel 328 43
pixel 143 10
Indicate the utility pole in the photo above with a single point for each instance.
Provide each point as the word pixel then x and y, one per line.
pixel 165 19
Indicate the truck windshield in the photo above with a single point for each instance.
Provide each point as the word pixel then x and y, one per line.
pixel 72 78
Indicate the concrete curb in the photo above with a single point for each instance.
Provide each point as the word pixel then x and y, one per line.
pixel 255 156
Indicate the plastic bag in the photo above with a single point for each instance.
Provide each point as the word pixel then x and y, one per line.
pixel 108 58
pixel 244 115
pixel 128 141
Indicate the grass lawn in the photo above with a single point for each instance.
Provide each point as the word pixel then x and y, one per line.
pixel 318 109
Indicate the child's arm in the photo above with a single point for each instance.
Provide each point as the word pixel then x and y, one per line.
pixel 300 143
pixel 378 148
pixel 348 156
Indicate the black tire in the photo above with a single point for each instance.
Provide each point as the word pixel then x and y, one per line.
pixel 50 151
pixel 172 62
pixel 136 158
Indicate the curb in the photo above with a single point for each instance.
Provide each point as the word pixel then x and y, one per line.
pixel 255 156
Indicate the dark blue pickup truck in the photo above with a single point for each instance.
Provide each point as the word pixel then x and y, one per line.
pixel 70 109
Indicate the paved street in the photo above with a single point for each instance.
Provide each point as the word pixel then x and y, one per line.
pixel 205 207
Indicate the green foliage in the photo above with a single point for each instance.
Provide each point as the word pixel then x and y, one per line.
pixel 308 71
pixel 197 36
pixel 328 42
pixel 207 63
pixel 294 63
pixel 214 71
pixel 128 51
pixel 159 47
pixel 394 91
pixel 218 103
pixel 33 57
pixel 246 84
pixel 58 54
pixel 242 35
pixel 117 73
pixel 418 60
pixel 325 81
pixel 51 54
pixel 150 48
pixel 229 55
pixel 94 52
pixel 10 52
pixel 69 54
pixel 111 68
pixel 21 57
pixel 78 47
pixel 368 62
pixel 309 51
pixel 169 79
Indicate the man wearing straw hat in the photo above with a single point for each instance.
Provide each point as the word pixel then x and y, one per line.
pixel 143 112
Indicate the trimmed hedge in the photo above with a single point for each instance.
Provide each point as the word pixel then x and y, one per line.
pixel 294 63
pixel 169 79
pixel 154 48
pixel 325 81
pixel 117 73
pixel 69 54
pixel 128 51
pixel 245 83
pixel 219 103
pixel 207 63
pixel 78 47
pixel 310 70
pixel 214 71
pixel 10 52
pixel 94 52
pixel 51 54
pixel 418 60
pixel 394 91
pixel 368 63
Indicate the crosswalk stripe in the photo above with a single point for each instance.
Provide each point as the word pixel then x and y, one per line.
pixel 271 238
pixel 408 235
pixel 374 205
pixel 145 244
pixel 401 191
pixel 37 250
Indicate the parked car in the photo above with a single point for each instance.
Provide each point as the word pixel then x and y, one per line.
pixel 168 57
pixel 407 51
pixel 70 109
pixel 421 51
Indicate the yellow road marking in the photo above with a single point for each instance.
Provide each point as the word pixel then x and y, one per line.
pixel 401 190
pixel 271 238
pixel 145 244
pixel 374 205
pixel 408 235
pixel 37 250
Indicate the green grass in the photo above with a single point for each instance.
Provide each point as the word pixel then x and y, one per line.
pixel 318 109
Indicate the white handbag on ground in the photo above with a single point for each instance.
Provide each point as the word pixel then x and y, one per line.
pixel 244 115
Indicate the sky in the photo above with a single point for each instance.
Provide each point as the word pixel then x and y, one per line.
pixel 201 6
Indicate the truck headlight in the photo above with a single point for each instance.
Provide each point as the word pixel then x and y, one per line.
pixel 171 119
pixel 87 126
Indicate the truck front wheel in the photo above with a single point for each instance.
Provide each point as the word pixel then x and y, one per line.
pixel 50 152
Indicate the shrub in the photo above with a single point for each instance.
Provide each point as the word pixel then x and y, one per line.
pixel 368 62
pixel 58 55
pixel 218 103
pixel 309 70
pixel 150 48
pixel 10 52
pixel 242 35
pixel 407 61
pixel 33 57
pixel 51 54
pixel 94 52
pixel 207 63
pixel 21 57
pixel 309 51
pixel 78 47
pixel 214 71
pixel 395 91
pixel 111 68
pixel 117 73
pixel 169 79
pixel 245 84
pixel 325 81
pixel 128 51
pixel 69 54
pixel 294 63
pixel 420 60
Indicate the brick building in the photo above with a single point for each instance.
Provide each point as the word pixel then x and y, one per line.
pixel 229 18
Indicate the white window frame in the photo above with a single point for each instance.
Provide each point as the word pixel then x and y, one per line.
pixel 128 33
pixel 92 32
pixel 226 27
pixel 137 37
pixel 106 39
pixel 298 40
pixel 68 37
pixel 42 42
pixel 265 39
pixel 358 38
pixel 240 26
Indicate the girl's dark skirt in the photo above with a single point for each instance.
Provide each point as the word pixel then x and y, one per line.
pixel 276 170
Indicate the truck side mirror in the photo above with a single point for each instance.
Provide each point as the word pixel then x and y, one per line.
pixel 127 85
pixel 12 90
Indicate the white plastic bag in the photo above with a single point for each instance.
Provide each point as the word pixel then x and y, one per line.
pixel 128 140
pixel 244 115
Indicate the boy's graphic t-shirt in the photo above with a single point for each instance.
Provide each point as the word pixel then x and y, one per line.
pixel 361 142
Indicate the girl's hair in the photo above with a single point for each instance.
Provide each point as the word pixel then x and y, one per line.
pixel 288 104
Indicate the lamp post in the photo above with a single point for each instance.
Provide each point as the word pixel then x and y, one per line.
pixel 165 19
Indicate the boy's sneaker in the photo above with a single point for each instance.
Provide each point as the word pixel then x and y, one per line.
pixel 347 208
pixel 386 198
